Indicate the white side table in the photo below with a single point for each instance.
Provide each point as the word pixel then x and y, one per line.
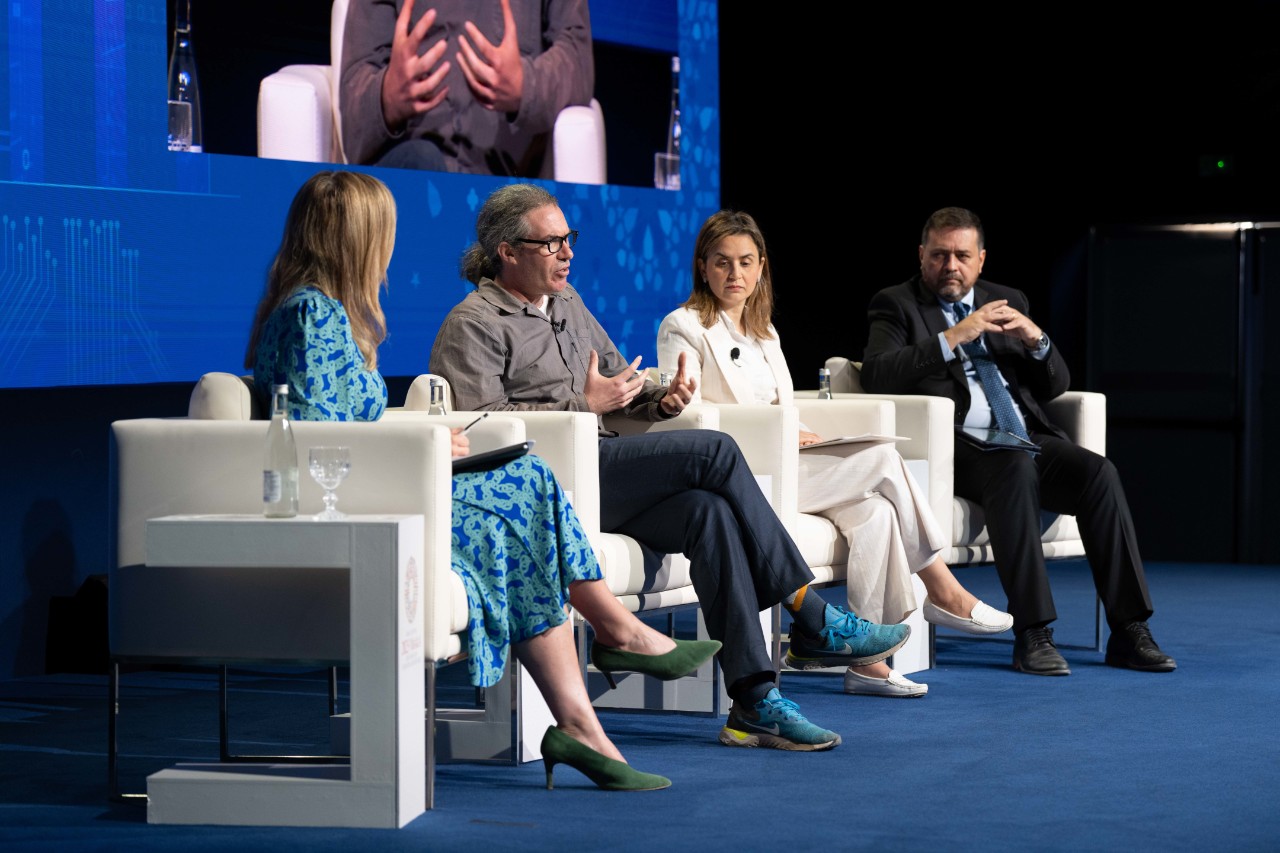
pixel 384 785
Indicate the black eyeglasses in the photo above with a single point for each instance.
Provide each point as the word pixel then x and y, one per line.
pixel 553 244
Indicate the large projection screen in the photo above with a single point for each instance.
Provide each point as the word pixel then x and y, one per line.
pixel 122 262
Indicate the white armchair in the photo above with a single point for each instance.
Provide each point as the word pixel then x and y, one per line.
pixel 569 442
pixel 194 616
pixel 929 422
pixel 299 117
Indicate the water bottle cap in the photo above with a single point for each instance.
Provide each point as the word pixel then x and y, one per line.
pixel 280 389
pixel 675 64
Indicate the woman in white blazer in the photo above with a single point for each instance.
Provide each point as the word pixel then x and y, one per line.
pixel 733 353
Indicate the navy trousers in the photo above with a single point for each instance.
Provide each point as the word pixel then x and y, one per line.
pixel 691 492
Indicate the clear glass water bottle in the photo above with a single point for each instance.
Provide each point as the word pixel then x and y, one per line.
pixel 666 164
pixel 186 129
pixel 824 383
pixel 436 405
pixel 280 465
pixel 673 123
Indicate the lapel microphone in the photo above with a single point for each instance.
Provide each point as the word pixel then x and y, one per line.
pixel 733 355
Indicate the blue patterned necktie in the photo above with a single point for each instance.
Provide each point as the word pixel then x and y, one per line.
pixel 998 396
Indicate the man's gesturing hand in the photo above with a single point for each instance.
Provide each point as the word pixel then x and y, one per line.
pixel 610 393
pixel 493 71
pixel 680 391
pixel 412 84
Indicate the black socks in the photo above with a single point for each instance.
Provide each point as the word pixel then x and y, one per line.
pixel 808 611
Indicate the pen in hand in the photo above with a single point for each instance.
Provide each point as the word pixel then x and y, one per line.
pixel 466 429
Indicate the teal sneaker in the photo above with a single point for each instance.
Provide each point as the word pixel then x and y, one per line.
pixel 846 640
pixel 775 723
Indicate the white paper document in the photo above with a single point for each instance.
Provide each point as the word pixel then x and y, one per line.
pixel 865 438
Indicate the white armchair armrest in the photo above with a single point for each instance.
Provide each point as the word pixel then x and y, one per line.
pixel 491 433
pixel 768 437
pixel 570 444
pixel 295 114
pixel 927 421
pixel 224 397
pixel 1083 416
pixel 847 415
pixel 696 416
pixel 579 147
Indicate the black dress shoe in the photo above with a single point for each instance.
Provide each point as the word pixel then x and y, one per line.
pixel 1034 652
pixel 1131 647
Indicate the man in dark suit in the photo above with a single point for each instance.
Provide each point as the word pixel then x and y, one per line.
pixel 948 333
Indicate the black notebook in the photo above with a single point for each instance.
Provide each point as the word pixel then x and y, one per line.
pixel 491 459
pixel 995 439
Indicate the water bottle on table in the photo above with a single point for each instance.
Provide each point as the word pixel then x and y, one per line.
pixel 280 466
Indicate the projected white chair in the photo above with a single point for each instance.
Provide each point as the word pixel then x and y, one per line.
pixel 928 421
pixel 646 584
pixel 174 466
pixel 300 118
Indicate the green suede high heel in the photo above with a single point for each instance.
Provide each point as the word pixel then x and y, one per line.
pixel 607 773
pixel 686 657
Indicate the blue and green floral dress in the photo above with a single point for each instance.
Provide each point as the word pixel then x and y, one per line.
pixel 306 343
pixel 517 543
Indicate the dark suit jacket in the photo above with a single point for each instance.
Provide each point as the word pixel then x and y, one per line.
pixel 903 357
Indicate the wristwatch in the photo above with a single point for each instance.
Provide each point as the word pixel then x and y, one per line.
pixel 1042 344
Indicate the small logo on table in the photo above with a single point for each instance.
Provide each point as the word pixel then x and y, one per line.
pixel 411 590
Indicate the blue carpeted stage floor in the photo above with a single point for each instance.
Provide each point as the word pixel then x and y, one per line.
pixel 990 760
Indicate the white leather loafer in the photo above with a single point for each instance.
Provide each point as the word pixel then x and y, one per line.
pixel 984 619
pixel 896 685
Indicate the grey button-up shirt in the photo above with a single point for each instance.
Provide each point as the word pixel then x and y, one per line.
pixel 502 354
pixel 555 55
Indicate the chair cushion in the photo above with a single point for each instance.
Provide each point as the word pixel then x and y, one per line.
pixel 631 569
pixel 970 525
pixel 821 544
pixel 1059 533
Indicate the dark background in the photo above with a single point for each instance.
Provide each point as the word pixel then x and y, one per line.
pixel 1077 133
pixel 842 136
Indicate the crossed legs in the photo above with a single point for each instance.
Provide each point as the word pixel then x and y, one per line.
pixel 690 491
pixel 613 624
pixel 552 660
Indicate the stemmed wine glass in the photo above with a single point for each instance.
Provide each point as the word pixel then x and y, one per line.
pixel 329 467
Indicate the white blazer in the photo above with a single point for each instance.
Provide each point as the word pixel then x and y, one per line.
pixel 709 360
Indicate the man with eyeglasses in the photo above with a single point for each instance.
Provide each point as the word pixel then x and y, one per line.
pixel 523 341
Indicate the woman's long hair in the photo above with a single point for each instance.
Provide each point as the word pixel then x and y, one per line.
pixel 758 310
pixel 338 237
